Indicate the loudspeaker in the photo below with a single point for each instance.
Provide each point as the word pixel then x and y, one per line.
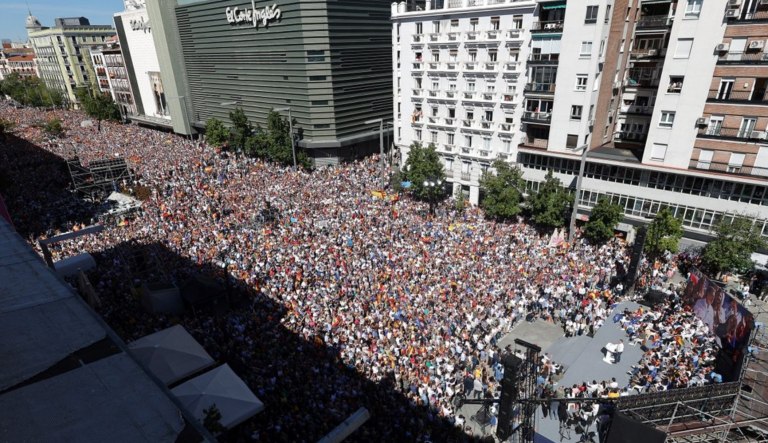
pixel 626 430
pixel 508 395
pixel 637 254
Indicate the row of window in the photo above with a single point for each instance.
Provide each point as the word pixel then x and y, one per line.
pixel 701 186
pixel 470 140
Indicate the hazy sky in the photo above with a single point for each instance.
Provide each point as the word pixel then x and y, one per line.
pixel 14 13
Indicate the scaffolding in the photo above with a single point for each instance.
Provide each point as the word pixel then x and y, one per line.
pixel 100 178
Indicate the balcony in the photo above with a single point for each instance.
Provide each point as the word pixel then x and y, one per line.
pixel 544 59
pixel 449 148
pixel 637 109
pixel 756 97
pixel 750 16
pixel 508 100
pixel 511 66
pixel 505 127
pixel 433 66
pixel 451 67
pixel 742 58
pixel 434 92
pixel 550 26
pixel 453 37
pixel 537 117
pixel 466 176
pixel 632 137
pixel 417 92
pixel 490 67
pixel 492 35
pixel 434 37
pixel 728 168
pixel 485 124
pixel 533 142
pixel 417 39
pixel 642 78
pixel 451 95
pixel 470 66
pixel 418 66
pixel 469 95
pixel 540 88
pixel 473 36
pixel 515 34
pixel 488 96
pixel 646 53
pixel 732 133
pixel 654 22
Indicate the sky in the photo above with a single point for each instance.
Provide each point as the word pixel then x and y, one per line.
pixel 14 13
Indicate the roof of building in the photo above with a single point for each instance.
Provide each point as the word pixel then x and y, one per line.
pixel 63 374
pixel 21 58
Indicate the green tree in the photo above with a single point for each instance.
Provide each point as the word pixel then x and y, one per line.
pixel 30 91
pixel 241 128
pixel 732 248
pixel 603 219
pixel 98 105
pixel 215 132
pixel 502 191
pixel 423 166
pixel 54 127
pixel 460 200
pixel 664 234
pixel 212 420
pixel 551 204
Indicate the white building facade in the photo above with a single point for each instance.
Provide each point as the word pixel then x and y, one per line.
pixel 459 80
pixel 140 55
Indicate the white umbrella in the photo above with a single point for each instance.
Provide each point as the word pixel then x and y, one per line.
pixel 220 386
pixel 171 354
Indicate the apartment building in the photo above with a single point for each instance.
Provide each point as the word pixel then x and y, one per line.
pixel 459 82
pixel 18 58
pixel 63 52
pixel 112 75
pixel 667 97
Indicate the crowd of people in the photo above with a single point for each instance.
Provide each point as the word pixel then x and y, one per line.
pixel 350 297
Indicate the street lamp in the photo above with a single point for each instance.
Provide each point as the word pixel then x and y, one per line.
pixel 290 129
pixel 432 185
pixel 574 211
pixel 380 121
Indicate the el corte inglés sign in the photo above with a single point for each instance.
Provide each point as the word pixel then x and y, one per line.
pixel 257 17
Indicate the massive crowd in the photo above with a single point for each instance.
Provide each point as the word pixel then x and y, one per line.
pixel 352 298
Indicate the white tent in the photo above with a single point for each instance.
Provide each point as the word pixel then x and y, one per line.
pixel 234 400
pixel 171 354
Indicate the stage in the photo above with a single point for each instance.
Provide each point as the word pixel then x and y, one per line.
pixel 583 361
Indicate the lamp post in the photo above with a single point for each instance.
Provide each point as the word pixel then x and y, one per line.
pixel 290 130
pixel 380 121
pixel 574 212
pixel 432 185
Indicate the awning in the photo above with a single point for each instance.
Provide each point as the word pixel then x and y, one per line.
pixel 554 5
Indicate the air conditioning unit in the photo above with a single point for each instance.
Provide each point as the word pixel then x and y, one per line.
pixel 722 47
pixel 757 44
pixel 701 121
pixel 652 52
pixel 731 13
pixel 760 135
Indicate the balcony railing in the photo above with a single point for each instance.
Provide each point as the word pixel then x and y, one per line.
pixel 654 21
pixel 540 87
pixel 732 133
pixel 551 26
pixel 537 117
pixel 469 95
pixel 505 127
pixel 450 94
pixel 466 176
pixel 490 67
pixel 417 38
pixel 637 109
pixel 488 96
pixel 646 53
pixel 417 92
pixel 533 142
pixel 448 148
pixel 756 97
pixel 544 59
pixel 470 66
pixel 728 168
pixel 511 66
pixel 747 58
pixel 514 34
pixel 636 137
pixel 641 82
pixel 757 15
pixel 434 92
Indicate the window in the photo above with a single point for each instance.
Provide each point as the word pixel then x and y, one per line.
pixel 419 28
pixel 591 16
pixel 747 127
pixel 453 55
pixel 472 56
pixel 455 23
pixel 586 49
pixel 451 112
pixel 487 143
pixel 315 56
pixel 693 8
pixel 576 112
pixel 448 164
pixel 507 145
pixel 495 23
pixel 473 23
pixel 436 27
pixel 705 158
pixel 488 116
pixel 434 111
pixel 451 138
pixel 658 152
pixel 735 162
pixel 493 55
pixel 435 56
pixel 471 86
pixel 418 134
pixel 517 22
pixel 715 125
pixel 319 102
pixel 667 119
pixel 607 13
pixel 572 141
pixel 581 82
pixel 470 114
pixel 433 136
pixel 675 84
pixel 468 141
pixel 683 48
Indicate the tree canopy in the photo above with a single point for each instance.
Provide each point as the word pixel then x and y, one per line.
pixel 54 127
pixel 241 128
pixel 551 204
pixel 98 105
pixel 602 221
pixel 502 191
pixel 733 246
pixel 216 134
pixel 664 234
pixel 30 91
pixel 423 165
